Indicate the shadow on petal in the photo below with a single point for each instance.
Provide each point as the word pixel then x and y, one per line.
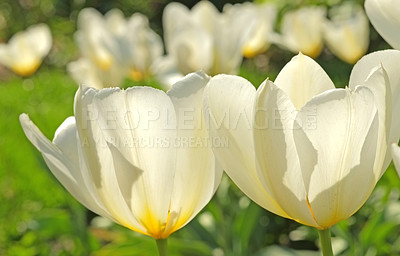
pixel 127 174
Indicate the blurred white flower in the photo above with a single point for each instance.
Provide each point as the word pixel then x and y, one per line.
pixel 147 46
pixel 115 46
pixel 347 34
pixel 202 39
pixel 25 51
pixel 384 16
pixel 263 16
pixel 84 72
pixel 301 31
pixel 139 157
pixel 166 71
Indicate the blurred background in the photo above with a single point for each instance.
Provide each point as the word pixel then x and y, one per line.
pixel 39 217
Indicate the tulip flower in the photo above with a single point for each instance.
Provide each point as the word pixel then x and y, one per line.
pixel 298 147
pixel 389 59
pixel 347 33
pixel 301 31
pixel 139 157
pixel 85 72
pixel 114 47
pixel 186 40
pixel 25 51
pixel 201 39
pixel 383 16
pixel 264 16
pixel 396 157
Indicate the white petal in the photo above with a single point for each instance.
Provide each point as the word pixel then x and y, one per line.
pixel 197 176
pixel 88 17
pixel 384 15
pixel 83 72
pixel 264 16
pixel 302 30
pixel 99 159
pixel 187 42
pixel 139 123
pixel 363 71
pixel 174 16
pixel 66 140
pixel 277 159
pixel 228 107
pixel 344 134
pixel 347 34
pixel 378 83
pixel 63 167
pixel 40 37
pixel 396 157
pixel 95 41
pixel 302 78
pixel 63 161
pixel 229 43
pixel 166 71
pixel 205 14
pixel 26 49
pixel 158 177
pixel 192 48
pixel 145 45
pixel 116 22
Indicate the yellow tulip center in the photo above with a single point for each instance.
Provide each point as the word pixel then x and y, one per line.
pixel 159 229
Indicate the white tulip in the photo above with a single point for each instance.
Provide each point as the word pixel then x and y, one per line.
pixel 301 31
pixel 93 38
pixel 389 59
pixel 115 46
pixel 347 33
pixel 264 17
pixel 25 51
pixel 139 157
pixel 298 147
pixel 187 41
pixel 146 47
pixel 384 16
pixel 202 39
pixel 84 72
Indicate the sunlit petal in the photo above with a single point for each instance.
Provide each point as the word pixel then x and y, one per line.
pixel 301 79
pixel 229 102
pixel 384 15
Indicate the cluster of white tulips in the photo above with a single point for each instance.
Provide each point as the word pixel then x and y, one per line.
pixel 113 47
pixel 297 146
pixel 346 32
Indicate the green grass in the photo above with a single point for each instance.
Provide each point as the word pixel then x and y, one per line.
pixel 36 212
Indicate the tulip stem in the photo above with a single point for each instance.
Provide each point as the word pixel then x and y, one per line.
pixel 162 247
pixel 325 240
